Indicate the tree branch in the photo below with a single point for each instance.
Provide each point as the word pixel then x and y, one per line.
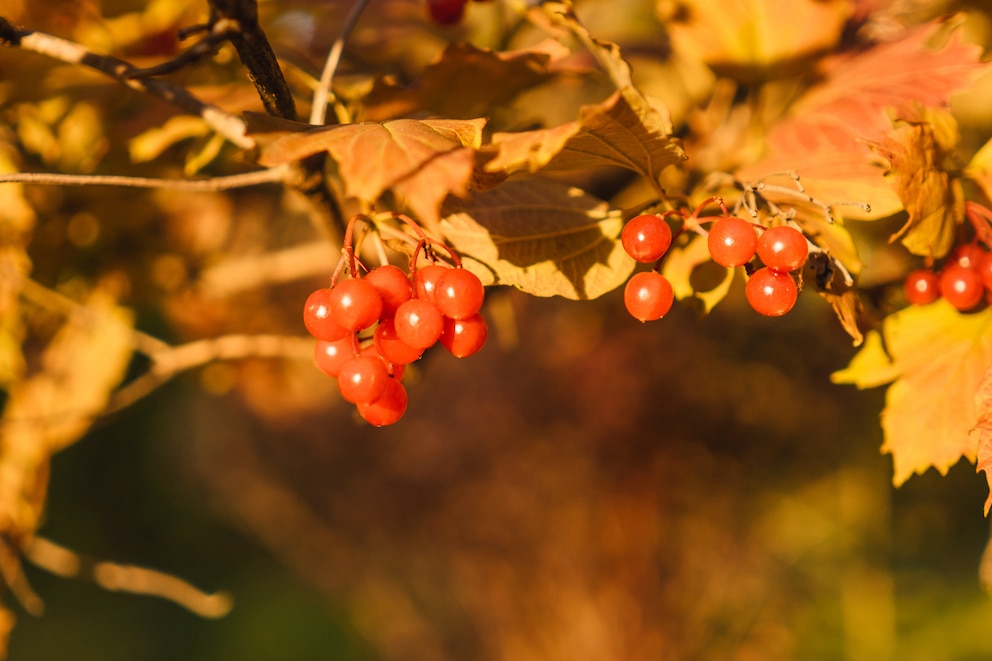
pixel 277 175
pixel 256 54
pixel 230 126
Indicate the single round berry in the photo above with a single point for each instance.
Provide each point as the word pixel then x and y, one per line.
pixel 393 286
pixel 425 280
pixel 362 379
pixel 330 356
pixel 464 337
pixel 419 323
pixel 782 248
pixel 648 296
pixel 646 238
pixel 319 320
pixel 391 347
pixel 388 408
pixel 771 293
pixel 459 294
pixel 355 304
pixel 446 12
pixel 922 286
pixel 732 241
pixel 961 286
pixel 969 255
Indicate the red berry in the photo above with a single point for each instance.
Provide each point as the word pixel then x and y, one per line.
pixel 362 379
pixel 961 286
pixel 732 241
pixel 646 238
pixel 388 408
pixel 648 296
pixel 782 248
pixel 391 347
pixel 922 286
pixel 425 280
pixel 464 337
pixel 446 12
pixel 419 323
pixel 319 320
pixel 393 286
pixel 355 304
pixel 459 294
pixel 395 371
pixel 969 255
pixel 329 356
pixel 770 292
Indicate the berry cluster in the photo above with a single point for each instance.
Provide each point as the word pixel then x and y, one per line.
pixel 965 280
pixel 447 12
pixel 732 242
pixel 370 327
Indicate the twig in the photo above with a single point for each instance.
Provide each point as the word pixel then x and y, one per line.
pixel 217 34
pixel 318 111
pixel 230 126
pixel 66 563
pixel 278 174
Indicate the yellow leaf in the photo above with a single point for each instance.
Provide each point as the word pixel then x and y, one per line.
pixel 542 237
pixel 695 276
pixel 983 403
pixel 938 358
pixel 149 145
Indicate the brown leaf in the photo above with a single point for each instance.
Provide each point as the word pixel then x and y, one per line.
pixel 916 152
pixel 937 358
pixel 542 237
pixel 484 80
pixel 422 162
pixel 983 402
pixel 623 131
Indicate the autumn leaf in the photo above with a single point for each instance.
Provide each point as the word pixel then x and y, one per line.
pixel 936 358
pixel 916 152
pixel 485 80
pixel 421 162
pixel 825 134
pixel 695 277
pixel 751 38
pixel 55 407
pixel 983 403
pixel 622 131
pixel 545 238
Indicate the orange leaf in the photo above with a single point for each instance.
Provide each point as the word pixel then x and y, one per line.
pixel 983 402
pixel 422 162
pixel 937 358
pixel 543 237
pixel 622 131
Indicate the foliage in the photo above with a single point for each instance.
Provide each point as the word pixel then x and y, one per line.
pixel 516 143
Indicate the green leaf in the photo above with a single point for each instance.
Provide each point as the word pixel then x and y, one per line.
pixel 937 358
pixel 543 237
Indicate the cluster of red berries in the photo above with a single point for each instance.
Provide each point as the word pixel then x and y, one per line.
pixel 369 328
pixel 732 242
pixel 447 12
pixel 965 280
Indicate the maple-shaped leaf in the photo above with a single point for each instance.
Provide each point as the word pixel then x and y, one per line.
pixel 623 131
pixel 983 403
pixel 916 152
pixel 751 39
pixel 695 277
pixel 53 408
pixel 936 358
pixel 465 82
pixel 543 237
pixel 420 161
pixel 826 132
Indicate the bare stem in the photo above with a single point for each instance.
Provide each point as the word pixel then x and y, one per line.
pixel 278 174
pixel 318 111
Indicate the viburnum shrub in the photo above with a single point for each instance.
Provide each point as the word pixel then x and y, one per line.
pixel 374 322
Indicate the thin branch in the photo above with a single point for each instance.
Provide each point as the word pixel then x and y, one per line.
pixel 279 174
pixel 216 35
pixel 230 126
pixel 318 111
pixel 66 563
pixel 256 54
